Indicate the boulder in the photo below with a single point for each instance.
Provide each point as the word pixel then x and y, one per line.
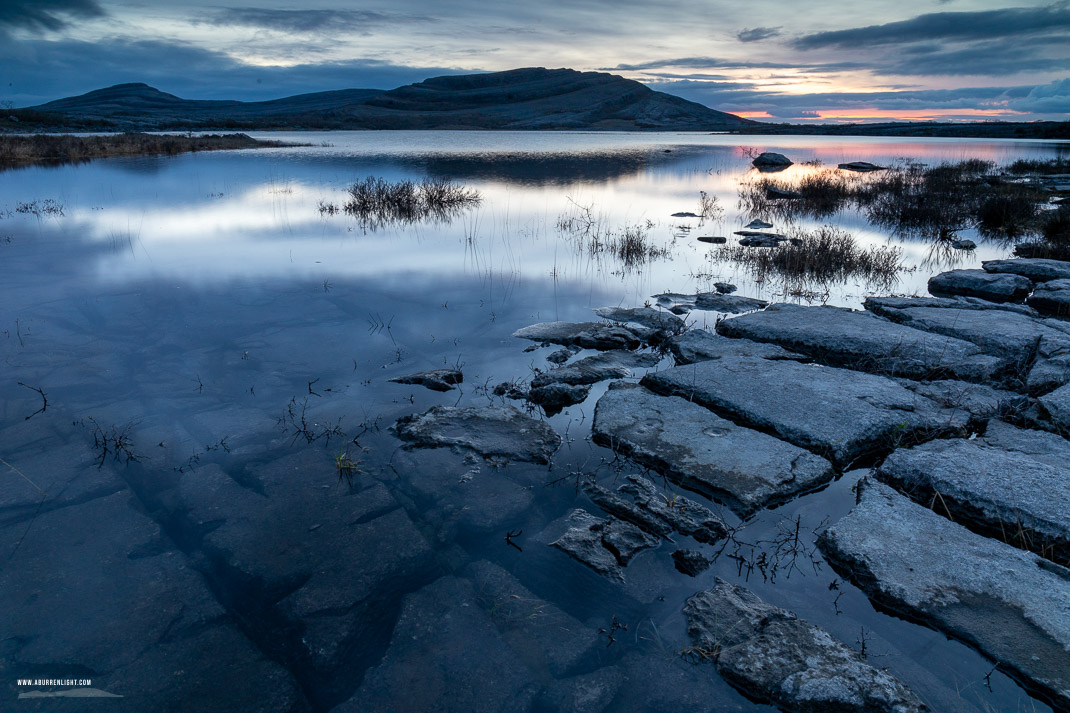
pixel 491 431
pixel 1052 298
pixel 963 244
pixel 435 379
pixel 724 288
pixel 741 467
pixel 999 493
pixel 685 214
pixel 1009 604
pixel 640 502
pixel 713 239
pixel 588 335
pixel 995 287
pixel 1036 269
pixel 700 345
pixel 860 340
pixel 772 655
pixel 845 416
pixel 769 160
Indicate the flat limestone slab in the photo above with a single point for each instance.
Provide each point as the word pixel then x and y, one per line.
pixel 1056 407
pixel 879 305
pixel 978 283
pixel 744 468
pixel 1052 298
pixel 771 654
pixel 840 414
pixel 1036 348
pixel 859 340
pixel 589 335
pixel 1036 269
pixel 1003 494
pixel 700 345
pixel 1011 605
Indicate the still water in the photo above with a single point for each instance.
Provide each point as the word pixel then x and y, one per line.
pixel 190 302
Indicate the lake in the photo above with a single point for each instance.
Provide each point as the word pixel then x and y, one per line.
pixel 208 339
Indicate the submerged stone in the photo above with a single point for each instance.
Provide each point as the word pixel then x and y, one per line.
pixel 640 502
pixel 702 452
pixel 842 415
pixel 1009 604
pixel 606 546
pixel 492 431
pixel 859 340
pixel 435 379
pixel 645 316
pixel 690 562
pixel 588 335
pixel 1036 269
pixel 1003 494
pixel 772 655
pixel 615 364
pixel 700 345
pixel 978 283
pixel 554 397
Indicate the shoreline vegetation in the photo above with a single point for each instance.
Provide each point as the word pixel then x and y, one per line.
pixel 20 150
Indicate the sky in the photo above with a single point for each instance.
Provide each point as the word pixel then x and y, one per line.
pixel 775 60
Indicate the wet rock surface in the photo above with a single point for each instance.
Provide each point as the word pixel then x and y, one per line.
pixel 640 502
pixel 999 493
pixel 1008 603
pixel 859 340
pixel 884 306
pixel 1052 298
pixel 644 316
pixel 491 431
pixel 1036 269
pixel 1037 351
pixel 997 287
pixel 588 335
pixel 700 345
pixel 702 452
pixel 615 364
pixel 839 414
pixel 772 655
pixel 710 302
pixel 553 397
pixel 435 379
pixel 606 546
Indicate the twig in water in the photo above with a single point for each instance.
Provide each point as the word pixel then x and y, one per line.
pixel 44 399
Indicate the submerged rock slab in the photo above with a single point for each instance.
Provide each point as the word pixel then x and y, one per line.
pixel 1000 493
pixel 554 397
pixel 615 364
pixel 641 503
pixel 1052 298
pixel 700 345
pixel 491 431
pixel 435 379
pixel 1010 604
pixel 842 415
pixel 588 335
pixel 743 468
pixel 978 283
pixel 772 655
pixel 644 316
pixel 859 340
pixel 1036 269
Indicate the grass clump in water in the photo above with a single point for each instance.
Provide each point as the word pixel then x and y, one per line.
pixel 826 255
pixel 377 202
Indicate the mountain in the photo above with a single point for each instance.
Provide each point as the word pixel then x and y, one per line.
pixel 532 98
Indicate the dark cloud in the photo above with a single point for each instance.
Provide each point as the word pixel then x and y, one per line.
pixel 986 24
pixel 756 34
pixel 308 20
pixel 989 58
pixel 68 67
pixel 698 63
pixel 46 14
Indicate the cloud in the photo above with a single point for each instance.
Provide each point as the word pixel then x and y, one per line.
pixel 1046 98
pixel 986 24
pixel 39 15
pixel 68 67
pixel 756 34
pixel 990 58
pixel 308 20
